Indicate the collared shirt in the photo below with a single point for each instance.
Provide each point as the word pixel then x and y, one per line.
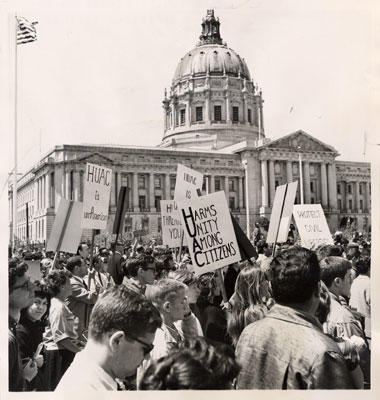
pixel 62 325
pixel 288 350
pixel 83 374
pixel 16 380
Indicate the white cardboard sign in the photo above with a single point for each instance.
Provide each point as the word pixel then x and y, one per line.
pixel 209 232
pixel 187 182
pixel 73 231
pixel 282 213
pixel 171 224
pixel 96 196
pixel 312 225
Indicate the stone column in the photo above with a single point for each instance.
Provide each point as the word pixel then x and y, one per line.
pixel 135 190
pixel 67 185
pixel 212 184
pixel 47 191
pixel 289 172
pixel 228 107
pixel 367 196
pixel 227 190
pixel 167 187
pixel 306 179
pixel 188 113
pixel 118 183
pixel 323 185
pixel 113 199
pixel 332 186
pixel 207 107
pixel 272 183
pixel 76 182
pixel 264 183
pixel 241 193
pixel 343 194
pixel 357 196
pixel 151 192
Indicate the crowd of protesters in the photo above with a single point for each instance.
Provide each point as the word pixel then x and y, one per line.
pixel 139 318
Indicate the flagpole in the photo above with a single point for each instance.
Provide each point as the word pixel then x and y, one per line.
pixel 15 140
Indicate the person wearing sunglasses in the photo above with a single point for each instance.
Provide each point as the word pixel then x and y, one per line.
pixel 120 335
pixel 139 271
pixel 21 295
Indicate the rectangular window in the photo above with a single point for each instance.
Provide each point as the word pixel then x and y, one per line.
pixel 142 182
pixel 349 189
pixel 339 204
pixel 235 114
pixel 350 204
pixel 249 115
pixel 124 180
pixel 182 117
pixel 217 184
pixel 338 189
pixel 360 188
pixel 142 203
pixel 312 201
pixel 157 203
pixel 361 204
pixel 199 114
pixel 232 203
pixel 217 113
pixel 312 187
pixel 157 182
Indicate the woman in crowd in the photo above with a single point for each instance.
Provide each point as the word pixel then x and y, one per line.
pixel 30 329
pixel 194 364
pixel 250 301
pixel 100 278
pixel 60 335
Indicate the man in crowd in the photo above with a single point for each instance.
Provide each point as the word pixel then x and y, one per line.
pixel 81 300
pixel 287 349
pixel 121 332
pixel 21 295
pixel 140 271
pixel 83 251
pixel 115 264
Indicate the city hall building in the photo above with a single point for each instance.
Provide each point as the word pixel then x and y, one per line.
pixel 213 122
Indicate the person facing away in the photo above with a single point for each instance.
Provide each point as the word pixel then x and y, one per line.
pixel 21 295
pixel 121 332
pixel 139 272
pixel 287 349
pixel 81 299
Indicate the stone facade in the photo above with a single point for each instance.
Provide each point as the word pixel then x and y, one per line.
pixel 213 122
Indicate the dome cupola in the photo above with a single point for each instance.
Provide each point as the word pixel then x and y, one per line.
pixel 213 101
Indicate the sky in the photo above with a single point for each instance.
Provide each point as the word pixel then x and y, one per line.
pixel 98 70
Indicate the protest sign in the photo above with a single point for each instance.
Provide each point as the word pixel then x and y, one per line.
pixel 209 232
pixel 66 232
pixel 312 225
pixel 187 182
pixel 171 224
pixel 96 196
pixel 246 248
pixel 282 213
pixel 121 207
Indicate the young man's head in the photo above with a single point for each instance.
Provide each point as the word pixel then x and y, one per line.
pixel 141 268
pixel 76 266
pixel 336 273
pixel 83 250
pixel 327 250
pixel 169 296
pixel 294 275
pixel 123 324
pixel 21 289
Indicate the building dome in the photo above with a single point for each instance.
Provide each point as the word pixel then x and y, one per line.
pixel 214 59
pixel 213 101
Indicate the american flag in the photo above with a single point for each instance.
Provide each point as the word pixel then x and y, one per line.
pixel 26 31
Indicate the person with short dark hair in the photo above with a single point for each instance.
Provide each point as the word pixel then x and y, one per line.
pixel 139 272
pixel 121 332
pixel 81 299
pixel 327 250
pixel 21 295
pixel 193 365
pixel 287 349
pixel 99 279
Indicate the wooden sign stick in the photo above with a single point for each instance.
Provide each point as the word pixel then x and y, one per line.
pixel 278 227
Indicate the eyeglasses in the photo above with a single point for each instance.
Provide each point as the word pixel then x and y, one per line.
pixel 27 285
pixel 147 348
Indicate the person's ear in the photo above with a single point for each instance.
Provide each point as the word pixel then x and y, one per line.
pixel 115 339
pixel 337 281
pixel 166 306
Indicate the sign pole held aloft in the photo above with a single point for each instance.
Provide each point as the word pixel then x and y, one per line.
pixel 278 227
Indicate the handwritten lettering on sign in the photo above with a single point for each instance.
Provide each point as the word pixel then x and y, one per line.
pixel 188 181
pixel 312 225
pixel 171 224
pixel 97 189
pixel 209 232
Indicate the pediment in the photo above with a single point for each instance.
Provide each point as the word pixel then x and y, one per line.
pixel 96 158
pixel 300 140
